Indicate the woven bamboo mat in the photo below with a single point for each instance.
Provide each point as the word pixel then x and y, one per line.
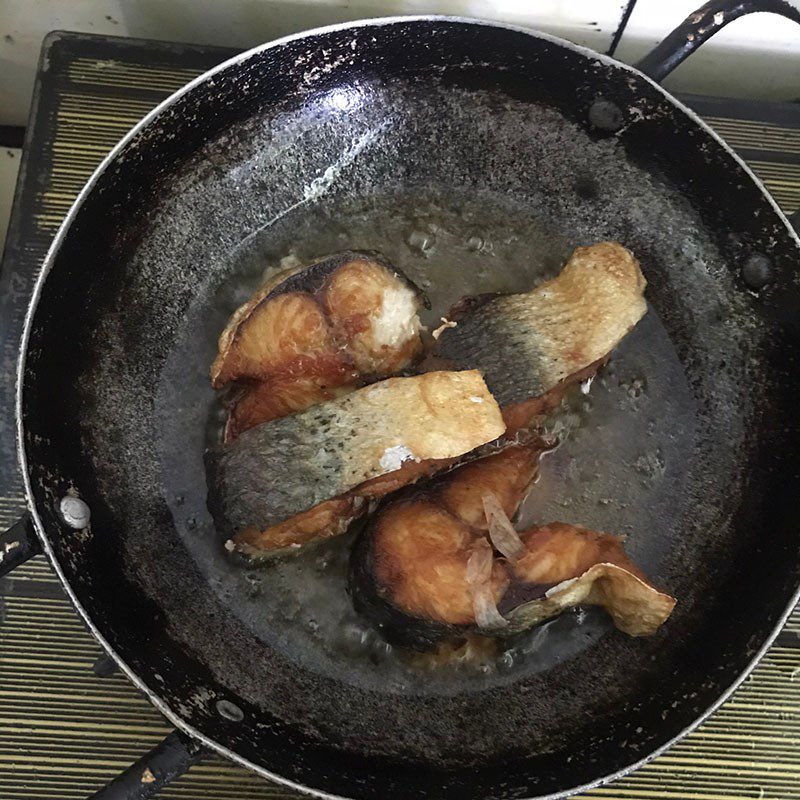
pixel 64 731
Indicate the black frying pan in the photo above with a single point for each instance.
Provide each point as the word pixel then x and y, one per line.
pixel 475 156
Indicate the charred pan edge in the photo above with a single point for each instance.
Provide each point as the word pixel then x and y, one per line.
pixel 395 626
pixel 128 140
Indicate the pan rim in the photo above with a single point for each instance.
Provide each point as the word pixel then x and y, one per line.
pixel 52 254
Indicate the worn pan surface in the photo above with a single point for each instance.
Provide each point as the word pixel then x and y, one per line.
pixel 475 157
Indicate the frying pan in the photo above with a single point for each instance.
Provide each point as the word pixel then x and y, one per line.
pixel 475 156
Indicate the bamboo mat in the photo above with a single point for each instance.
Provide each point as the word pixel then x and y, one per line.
pixel 64 731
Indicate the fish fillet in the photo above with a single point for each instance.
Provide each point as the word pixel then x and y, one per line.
pixel 284 467
pixel 429 568
pixel 360 300
pixel 408 569
pixel 529 345
pixel 566 566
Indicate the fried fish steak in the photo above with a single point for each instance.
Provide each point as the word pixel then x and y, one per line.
pixel 313 334
pixel 530 346
pixel 330 308
pixel 444 562
pixel 390 433
pixel 409 567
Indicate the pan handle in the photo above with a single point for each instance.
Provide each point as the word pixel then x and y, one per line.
pixel 18 544
pixel 154 770
pixel 701 26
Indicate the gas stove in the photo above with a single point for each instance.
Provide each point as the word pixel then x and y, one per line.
pixel 66 725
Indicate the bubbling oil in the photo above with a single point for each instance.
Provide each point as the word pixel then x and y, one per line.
pixel 616 456
pixel 450 246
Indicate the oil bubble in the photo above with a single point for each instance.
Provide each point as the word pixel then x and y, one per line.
pixel 420 241
pixel 475 243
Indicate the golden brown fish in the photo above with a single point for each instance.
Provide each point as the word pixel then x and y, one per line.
pixel 438 563
pixel 408 569
pixel 323 463
pixel 288 349
pixel 530 346
pixel 313 334
pixel 567 565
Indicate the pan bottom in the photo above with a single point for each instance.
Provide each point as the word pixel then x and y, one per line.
pixel 621 458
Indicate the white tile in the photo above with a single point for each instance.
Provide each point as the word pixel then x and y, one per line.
pixel 756 56
pixel 9 166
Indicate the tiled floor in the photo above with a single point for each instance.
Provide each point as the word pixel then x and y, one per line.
pixel 9 166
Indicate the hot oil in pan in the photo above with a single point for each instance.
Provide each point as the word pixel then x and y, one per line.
pixel 621 442
pixel 449 245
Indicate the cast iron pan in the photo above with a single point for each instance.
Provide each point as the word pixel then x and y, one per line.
pixel 474 156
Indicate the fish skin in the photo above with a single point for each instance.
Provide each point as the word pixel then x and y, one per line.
pixel 526 344
pixel 312 278
pixel 329 518
pixel 281 468
pixel 308 335
pixel 568 565
pixel 371 601
pixel 606 273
